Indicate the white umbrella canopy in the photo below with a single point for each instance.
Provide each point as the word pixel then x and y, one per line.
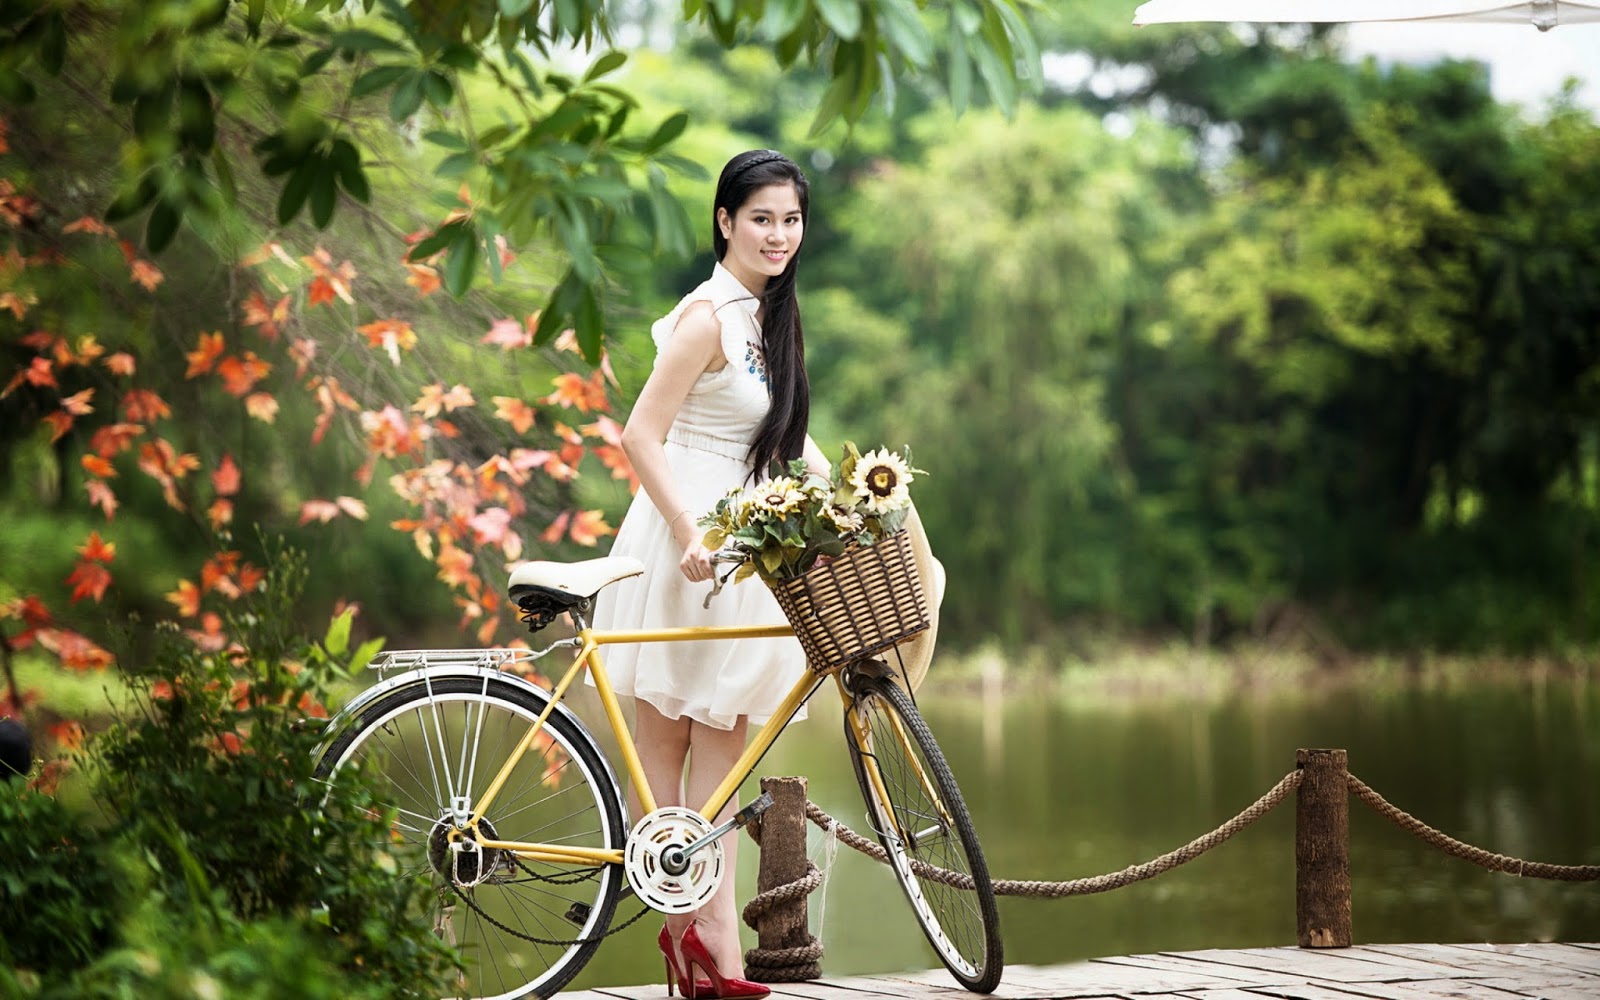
pixel 1542 14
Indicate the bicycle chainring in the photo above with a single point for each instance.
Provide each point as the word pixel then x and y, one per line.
pixel 654 835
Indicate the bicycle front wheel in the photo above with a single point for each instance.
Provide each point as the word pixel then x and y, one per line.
pixel 921 820
pixel 524 928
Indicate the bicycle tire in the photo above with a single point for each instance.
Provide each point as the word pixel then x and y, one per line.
pixel 562 792
pixel 962 924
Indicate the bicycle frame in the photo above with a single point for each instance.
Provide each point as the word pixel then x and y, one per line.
pixel 590 640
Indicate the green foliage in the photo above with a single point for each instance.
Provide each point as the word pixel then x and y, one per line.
pixel 220 866
pixel 571 165
pixel 68 890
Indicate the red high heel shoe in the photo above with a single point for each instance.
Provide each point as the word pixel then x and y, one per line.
pixel 674 975
pixel 722 987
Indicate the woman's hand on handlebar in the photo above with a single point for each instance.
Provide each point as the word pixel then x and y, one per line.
pixel 696 563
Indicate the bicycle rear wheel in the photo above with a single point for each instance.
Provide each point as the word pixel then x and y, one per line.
pixel 922 822
pixel 524 928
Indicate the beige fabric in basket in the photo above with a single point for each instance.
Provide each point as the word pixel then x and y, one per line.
pixel 916 653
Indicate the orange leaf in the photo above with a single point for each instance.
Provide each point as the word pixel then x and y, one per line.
pixel 120 363
pixel 88 579
pixel 67 734
pixel 89 224
pixel 264 318
pixel 38 373
pixel 423 278
pixel 574 390
pixel 97 549
pixel 94 465
pixel 330 280
pixel 262 405
pixel 186 599
pixel 249 577
pixel 77 404
pixel 143 406
pixel 514 412
pixel 393 335
pixel 304 351
pixel 321 291
pixel 60 422
pixel 557 529
pixel 205 355
pixel 75 651
pixel 455 565
pixel 146 274
pixel 219 513
pixel 113 439
pixel 588 526
pixel 100 495
pixel 239 375
pixel 87 350
pixel 225 478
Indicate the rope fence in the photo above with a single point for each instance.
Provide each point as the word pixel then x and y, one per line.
pixel 1323 782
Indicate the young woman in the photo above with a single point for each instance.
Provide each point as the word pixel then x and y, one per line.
pixel 728 396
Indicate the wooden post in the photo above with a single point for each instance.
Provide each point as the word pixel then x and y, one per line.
pixel 1322 849
pixel 783 860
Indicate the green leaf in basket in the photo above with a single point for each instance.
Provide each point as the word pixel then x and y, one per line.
pixel 744 572
pixel 714 538
pixel 771 559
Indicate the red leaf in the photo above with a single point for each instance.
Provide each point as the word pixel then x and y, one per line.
pixel 219 513
pixel 574 390
pixel 96 549
pixel 146 274
pixel 120 363
pixel 557 529
pixel 264 318
pixel 490 526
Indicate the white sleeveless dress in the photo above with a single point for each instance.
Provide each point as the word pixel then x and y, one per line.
pixel 710 682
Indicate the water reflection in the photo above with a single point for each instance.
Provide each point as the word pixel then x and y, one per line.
pixel 1062 788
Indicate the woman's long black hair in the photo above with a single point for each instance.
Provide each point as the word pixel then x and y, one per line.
pixel 782 434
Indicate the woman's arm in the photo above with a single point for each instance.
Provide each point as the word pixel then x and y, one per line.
pixel 694 348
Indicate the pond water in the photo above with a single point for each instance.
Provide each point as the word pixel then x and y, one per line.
pixel 1060 789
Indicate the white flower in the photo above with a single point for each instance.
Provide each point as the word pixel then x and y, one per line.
pixel 845 520
pixel 883 481
pixel 778 496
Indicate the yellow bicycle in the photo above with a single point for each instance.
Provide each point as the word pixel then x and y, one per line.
pixel 508 807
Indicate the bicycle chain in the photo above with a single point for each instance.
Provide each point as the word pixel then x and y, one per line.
pixel 475 908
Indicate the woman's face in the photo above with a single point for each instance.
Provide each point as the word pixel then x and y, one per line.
pixel 763 234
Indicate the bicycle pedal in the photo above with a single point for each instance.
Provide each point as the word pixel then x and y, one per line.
pixel 759 805
pixel 578 913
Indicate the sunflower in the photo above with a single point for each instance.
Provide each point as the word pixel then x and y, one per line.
pixel 882 480
pixel 778 496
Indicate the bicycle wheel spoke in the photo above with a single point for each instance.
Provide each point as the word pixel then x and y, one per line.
pixel 922 823
pixel 453 737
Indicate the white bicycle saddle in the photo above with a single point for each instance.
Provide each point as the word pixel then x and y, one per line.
pixel 576 580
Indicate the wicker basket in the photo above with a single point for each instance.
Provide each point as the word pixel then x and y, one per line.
pixel 863 602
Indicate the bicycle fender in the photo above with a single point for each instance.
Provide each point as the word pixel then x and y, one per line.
pixel 420 677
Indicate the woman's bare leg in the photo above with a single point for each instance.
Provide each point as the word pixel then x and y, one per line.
pixel 663 746
pixel 712 752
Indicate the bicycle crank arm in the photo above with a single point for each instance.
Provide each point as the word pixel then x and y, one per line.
pixel 675 860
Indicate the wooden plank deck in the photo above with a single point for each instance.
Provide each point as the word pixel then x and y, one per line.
pixel 1374 972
